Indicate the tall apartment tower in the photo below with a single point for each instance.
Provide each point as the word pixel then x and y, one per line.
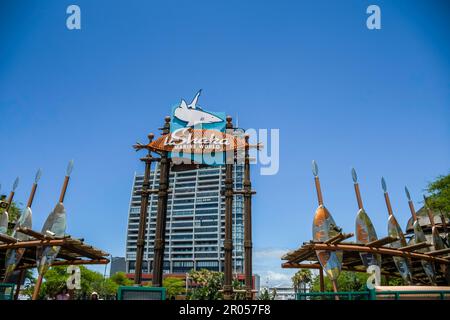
pixel 195 221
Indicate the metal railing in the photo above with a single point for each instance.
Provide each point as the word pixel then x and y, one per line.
pixel 7 291
pixel 343 295
pixel 377 295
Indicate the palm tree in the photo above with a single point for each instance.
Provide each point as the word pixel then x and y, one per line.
pixel 301 278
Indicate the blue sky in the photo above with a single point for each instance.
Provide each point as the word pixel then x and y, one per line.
pixel 339 93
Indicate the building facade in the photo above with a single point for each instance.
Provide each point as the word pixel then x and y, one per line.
pixel 118 264
pixel 195 227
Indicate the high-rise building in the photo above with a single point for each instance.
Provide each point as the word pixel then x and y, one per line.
pixel 118 264
pixel 195 221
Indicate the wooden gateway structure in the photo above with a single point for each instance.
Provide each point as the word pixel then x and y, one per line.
pixel 236 150
pixel 73 252
pixel 305 257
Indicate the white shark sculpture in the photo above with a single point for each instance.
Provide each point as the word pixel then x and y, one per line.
pixel 192 115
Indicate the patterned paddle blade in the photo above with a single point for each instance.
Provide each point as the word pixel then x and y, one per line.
pixel 13 256
pixel 4 222
pixel 365 233
pixel 324 228
pixel 56 225
pixel 419 237
pixel 438 244
pixel 56 221
pixel 395 231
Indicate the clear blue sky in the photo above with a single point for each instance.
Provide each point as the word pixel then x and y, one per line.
pixel 339 93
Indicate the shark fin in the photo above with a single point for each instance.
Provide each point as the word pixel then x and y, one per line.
pixel 183 104
pixel 193 104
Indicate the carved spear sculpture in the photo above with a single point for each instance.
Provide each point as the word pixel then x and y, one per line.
pixel 54 226
pixel 395 231
pixel 4 217
pixel 365 231
pixel 324 228
pixel 419 237
pixel 438 243
pixel 13 256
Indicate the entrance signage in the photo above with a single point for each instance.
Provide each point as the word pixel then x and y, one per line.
pixel 192 116
pixel 197 136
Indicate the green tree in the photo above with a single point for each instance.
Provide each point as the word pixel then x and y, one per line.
pixel 347 281
pixel 265 295
pixel 439 198
pixel 300 279
pixel 174 287
pixel 55 281
pixel 121 279
pixel 208 285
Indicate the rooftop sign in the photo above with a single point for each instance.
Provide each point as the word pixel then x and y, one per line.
pixel 197 136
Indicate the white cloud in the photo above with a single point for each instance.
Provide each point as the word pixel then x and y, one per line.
pixel 267 263
pixel 269 253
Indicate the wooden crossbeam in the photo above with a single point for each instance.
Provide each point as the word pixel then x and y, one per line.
pixel 293 265
pixel 32 243
pixel 82 252
pixel 7 239
pixel 68 262
pixel 338 238
pixel 439 252
pixel 381 242
pixel 414 247
pixel 32 233
pixel 383 250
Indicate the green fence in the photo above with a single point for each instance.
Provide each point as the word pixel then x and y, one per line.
pixel 377 295
pixel 141 293
pixel 343 295
pixel 7 291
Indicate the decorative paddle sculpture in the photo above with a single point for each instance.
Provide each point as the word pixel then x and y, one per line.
pixel 438 243
pixel 55 225
pixel 4 217
pixel 365 231
pixel 395 231
pixel 324 228
pixel 419 237
pixel 13 256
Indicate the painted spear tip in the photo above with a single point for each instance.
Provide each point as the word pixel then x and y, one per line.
pixel 383 184
pixel 69 168
pixel 16 184
pixel 408 195
pixel 354 176
pixel 38 176
pixel 315 168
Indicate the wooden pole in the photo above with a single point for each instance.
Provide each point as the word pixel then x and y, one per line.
pixel 318 190
pixel 161 217
pixel 10 200
pixel 64 189
pixel 20 279
pixel 228 241
pixel 37 287
pixel 413 210
pixel 388 203
pixel 62 195
pixel 358 195
pixel 31 198
pixel 140 244
pixel 322 282
pixel 248 224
